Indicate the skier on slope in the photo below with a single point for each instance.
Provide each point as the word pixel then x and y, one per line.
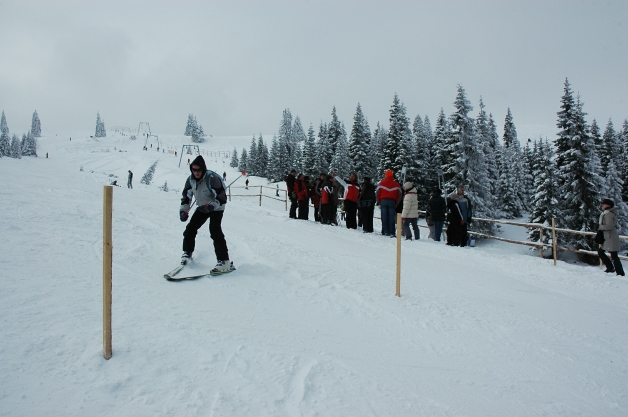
pixel 209 190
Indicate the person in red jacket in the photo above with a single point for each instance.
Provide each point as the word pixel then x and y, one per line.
pixel 352 191
pixel 328 201
pixel 316 197
pixel 388 196
pixel 300 187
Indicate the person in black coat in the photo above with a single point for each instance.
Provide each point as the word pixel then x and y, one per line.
pixel 366 204
pixel 437 210
pixel 292 195
pixel 460 214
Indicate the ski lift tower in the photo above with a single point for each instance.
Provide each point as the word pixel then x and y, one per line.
pixel 404 171
pixel 441 178
pixel 189 148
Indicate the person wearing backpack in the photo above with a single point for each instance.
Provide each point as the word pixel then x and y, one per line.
pixel 209 190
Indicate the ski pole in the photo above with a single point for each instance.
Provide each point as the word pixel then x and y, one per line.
pixel 243 174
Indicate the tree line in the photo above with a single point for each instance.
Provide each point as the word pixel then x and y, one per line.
pixel 564 179
pixel 13 147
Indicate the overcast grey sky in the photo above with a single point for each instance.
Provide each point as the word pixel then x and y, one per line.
pixel 237 64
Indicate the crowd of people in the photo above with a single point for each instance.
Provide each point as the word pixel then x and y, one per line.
pixel 358 203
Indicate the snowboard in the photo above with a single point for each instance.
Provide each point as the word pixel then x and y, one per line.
pixel 175 274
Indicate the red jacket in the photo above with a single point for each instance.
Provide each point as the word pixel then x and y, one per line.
pixel 352 192
pixel 327 196
pixel 301 189
pixel 388 188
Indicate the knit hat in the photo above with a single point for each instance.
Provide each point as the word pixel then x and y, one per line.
pixel 608 202
pixel 437 192
pixel 388 174
pixel 407 186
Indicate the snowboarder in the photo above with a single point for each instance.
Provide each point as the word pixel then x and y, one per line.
pixel 209 190
pixel 129 182
pixel 224 176
pixel 246 184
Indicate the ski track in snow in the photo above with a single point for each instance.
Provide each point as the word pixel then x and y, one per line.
pixel 308 325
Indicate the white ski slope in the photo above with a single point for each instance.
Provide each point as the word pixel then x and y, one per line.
pixel 307 326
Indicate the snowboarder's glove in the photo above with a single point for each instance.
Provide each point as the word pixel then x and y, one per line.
pixel 183 215
pixel 208 208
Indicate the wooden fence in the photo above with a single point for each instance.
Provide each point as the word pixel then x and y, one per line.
pixel 541 246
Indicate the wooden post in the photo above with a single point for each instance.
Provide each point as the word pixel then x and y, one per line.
pixel 554 238
pixel 229 193
pixel 106 271
pixel 260 196
pixel 541 241
pixel 286 191
pixel 398 290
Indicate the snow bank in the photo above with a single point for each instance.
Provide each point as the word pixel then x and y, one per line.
pixel 307 325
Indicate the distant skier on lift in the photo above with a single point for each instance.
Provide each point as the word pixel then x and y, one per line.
pixel 210 192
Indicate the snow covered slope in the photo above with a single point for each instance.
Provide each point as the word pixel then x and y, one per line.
pixel 308 324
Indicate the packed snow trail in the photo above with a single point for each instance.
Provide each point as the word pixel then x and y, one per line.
pixel 307 325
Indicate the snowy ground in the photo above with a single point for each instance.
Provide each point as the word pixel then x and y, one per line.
pixel 308 325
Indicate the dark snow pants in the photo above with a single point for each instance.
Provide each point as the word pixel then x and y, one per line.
pixel 351 209
pixel 457 234
pixel 215 231
pixel 617 267
pixel 405 227
pixel 366 215
pixel 293 207
pixel 328 213
pixel 304 209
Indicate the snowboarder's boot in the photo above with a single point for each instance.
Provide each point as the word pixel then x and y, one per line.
pixel 186 258
pixel 223 267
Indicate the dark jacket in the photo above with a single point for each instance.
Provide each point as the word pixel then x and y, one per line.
pixel 290 179
pixel 454 216
pixel 437 208
pixel 366 197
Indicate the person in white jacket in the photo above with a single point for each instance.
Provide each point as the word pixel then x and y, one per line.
pixel 410 213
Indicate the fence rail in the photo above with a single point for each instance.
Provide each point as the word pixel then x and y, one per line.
pixel 541 246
